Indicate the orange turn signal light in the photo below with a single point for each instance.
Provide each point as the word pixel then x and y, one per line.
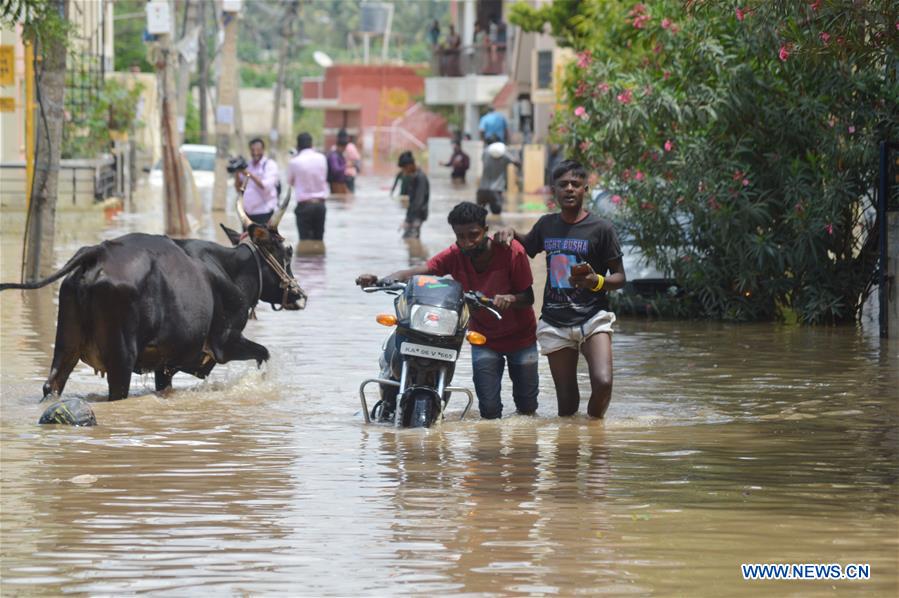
pixel 386 319
pixel 476 338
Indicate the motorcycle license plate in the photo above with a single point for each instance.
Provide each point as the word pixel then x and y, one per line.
pixel 429 352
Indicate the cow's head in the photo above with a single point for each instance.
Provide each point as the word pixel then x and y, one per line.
pixel 279 287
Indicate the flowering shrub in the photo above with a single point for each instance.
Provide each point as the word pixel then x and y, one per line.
pixel 740 142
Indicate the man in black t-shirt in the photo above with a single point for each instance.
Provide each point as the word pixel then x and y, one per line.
pixel 583 261
pixel 419 189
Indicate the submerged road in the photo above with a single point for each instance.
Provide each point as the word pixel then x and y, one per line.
pixel 723 445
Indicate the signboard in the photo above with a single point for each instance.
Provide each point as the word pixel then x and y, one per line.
pixel 7 65
pixel 7 104
pixel 231 5
pixel 372 17
pixel 159 20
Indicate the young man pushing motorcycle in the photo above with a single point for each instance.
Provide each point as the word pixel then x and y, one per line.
pixel 500 271
pixel 583 261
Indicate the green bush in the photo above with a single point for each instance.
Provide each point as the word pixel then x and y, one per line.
pixel 114 109
pixel 741 143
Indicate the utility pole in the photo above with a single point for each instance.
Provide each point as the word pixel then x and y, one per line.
pixel 225 111
pixel 203 69
pixel 291 12
pixel 159 23
pixel 185 63
pixel 37 254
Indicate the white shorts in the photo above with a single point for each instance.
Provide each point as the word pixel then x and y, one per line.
pixel 552 338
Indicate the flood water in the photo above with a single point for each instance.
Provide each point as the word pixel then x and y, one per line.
pixel 724 444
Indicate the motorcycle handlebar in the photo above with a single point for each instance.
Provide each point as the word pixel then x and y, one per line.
pixel 475 298
pixel 481 301
pixel 385 285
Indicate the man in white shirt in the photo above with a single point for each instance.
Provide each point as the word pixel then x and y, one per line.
pixel 307 173
pixel 260 198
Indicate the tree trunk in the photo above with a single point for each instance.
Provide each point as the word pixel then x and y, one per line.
pixel 291 11
pixel 185 68
pixel 203 70
pixel 50 81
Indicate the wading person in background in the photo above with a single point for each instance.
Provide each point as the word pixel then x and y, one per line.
pixel 419 192
pixel 459 162
pixel 337 167
pixel 307 173
pixel 353 160
pixel 492 188
pixel 260 198
pixel 493 124
pixel 583 262
pixel 503 273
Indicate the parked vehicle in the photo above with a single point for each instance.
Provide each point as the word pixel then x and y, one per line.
pixel 642 277
pixel 419 357
pixel 201 159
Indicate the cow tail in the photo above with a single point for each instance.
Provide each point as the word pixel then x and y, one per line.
pixel 83 254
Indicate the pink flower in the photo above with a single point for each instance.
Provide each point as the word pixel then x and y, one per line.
pixel 640 21
pixel 825 37
pixel 784 53
pixel 668 145
pixel 585 145
pixel 639 176
pixel 584 59
pixel 851 130
pixel 829 228
pixel 603 88
pixel 666 75
pixel 815 5
pixel 740 13
pixel 581 112
pixel 647 205
pixel 666 23
pixel 581 89
pixel 616 199
pixel 745 182
pixel 637 10
pixel 625 96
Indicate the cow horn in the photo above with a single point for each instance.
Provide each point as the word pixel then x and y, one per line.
pixel 244 219
pixel 279 213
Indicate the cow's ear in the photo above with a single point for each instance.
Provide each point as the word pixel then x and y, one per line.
pixel 233 235
pixel 259 233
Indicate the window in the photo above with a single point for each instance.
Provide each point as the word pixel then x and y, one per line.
pixel 544 69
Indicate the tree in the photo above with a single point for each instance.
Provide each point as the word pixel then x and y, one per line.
pixel 741 144
pixel 44 26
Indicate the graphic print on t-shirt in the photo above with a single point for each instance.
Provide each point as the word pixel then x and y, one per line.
pixel 562 254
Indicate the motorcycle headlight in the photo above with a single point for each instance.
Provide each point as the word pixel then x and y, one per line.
pixel 434 320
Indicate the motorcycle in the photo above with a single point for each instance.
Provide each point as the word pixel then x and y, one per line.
pixel 418 358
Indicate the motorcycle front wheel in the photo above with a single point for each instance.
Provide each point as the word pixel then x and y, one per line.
pixel 420 410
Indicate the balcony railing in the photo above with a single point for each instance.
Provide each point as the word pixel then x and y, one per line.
pixel 469 60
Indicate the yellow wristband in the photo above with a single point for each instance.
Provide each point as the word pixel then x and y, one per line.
pixel 600 280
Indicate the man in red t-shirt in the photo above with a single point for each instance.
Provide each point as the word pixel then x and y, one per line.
pixel 502 272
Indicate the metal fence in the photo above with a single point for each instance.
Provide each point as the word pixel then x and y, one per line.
pixel 87 182
pixel 86 64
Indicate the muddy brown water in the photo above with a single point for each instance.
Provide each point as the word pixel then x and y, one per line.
pixel 724 444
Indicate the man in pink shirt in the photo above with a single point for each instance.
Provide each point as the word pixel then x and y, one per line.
pixel 307 173
pixel 260 198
